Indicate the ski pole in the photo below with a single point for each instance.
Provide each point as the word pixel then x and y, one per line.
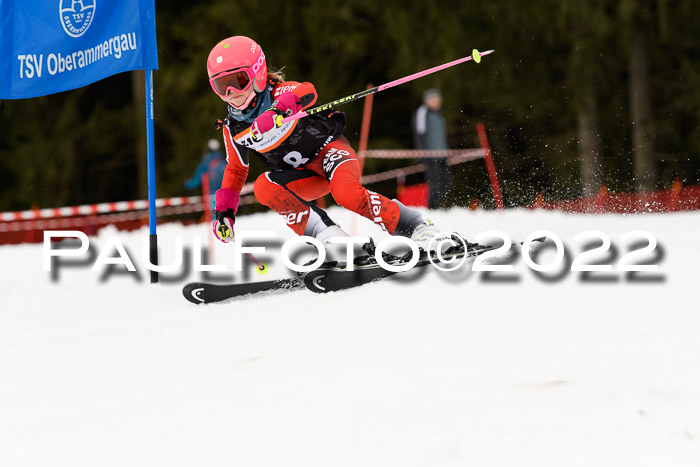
pixel 262 267
pixel 475 56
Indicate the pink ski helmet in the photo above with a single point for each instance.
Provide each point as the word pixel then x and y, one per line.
pixel 234 64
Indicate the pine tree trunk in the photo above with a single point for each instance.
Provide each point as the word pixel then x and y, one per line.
pixel 641 114
pixel 589 141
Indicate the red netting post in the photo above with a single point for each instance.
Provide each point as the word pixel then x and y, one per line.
pixel 675 194
pixel 539 201
pixel 206 197
pixel 208 212
pixel 601 199
pixel 498 198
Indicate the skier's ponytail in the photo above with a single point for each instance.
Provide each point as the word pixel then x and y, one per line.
pixel 275 75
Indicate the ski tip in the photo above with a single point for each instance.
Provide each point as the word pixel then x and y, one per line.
pixel 192 293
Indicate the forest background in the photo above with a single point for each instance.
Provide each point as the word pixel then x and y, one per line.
pixel 578 94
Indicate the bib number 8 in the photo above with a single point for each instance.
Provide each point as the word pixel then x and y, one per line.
pixel 295 159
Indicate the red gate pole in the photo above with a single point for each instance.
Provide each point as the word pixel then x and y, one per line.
pixel 490 166
pixel 364 131
pixel 364 138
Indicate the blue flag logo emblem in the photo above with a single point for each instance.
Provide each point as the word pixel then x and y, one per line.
pixel 76 16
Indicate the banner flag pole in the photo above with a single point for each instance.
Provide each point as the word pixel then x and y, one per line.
pixel 150 145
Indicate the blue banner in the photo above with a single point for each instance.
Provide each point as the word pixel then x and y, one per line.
pixel 49 46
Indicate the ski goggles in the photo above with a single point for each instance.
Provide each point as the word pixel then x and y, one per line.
pixel 237 80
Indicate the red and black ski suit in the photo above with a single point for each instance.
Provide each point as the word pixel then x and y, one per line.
pixel 309 158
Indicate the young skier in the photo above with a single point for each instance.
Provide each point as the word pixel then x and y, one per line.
pixel 308 157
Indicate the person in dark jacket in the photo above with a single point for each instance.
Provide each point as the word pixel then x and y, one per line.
pixel 213 164
pixel 430 133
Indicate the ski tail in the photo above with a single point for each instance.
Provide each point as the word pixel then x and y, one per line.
pixel 202 292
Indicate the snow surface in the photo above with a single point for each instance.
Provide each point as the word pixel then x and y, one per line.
pixel 439 371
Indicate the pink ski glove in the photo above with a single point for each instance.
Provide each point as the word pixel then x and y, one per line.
pixel 267 122
pixel 226 205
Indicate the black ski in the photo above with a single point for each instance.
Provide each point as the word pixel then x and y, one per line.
pixel 322 280
pixel 204 292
